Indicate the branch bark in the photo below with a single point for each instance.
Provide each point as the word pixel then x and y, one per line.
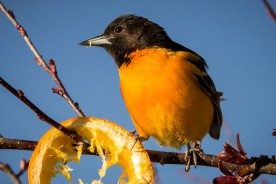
pixel 261 165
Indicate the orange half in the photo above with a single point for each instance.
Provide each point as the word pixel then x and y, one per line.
pixel 55 150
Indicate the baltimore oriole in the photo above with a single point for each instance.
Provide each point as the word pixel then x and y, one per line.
pixel 165 86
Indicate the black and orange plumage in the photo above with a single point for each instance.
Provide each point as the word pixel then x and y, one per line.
pixel 165 85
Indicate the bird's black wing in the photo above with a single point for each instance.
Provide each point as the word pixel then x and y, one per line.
pixel 208 86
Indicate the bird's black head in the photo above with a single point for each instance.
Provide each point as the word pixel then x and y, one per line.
pixel 128 33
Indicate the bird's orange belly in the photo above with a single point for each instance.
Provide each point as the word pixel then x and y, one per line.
pixel 165 101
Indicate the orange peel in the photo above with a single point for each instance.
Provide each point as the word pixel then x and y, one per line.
pixel 113 143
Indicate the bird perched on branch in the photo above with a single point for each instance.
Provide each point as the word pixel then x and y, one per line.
pixel 165 86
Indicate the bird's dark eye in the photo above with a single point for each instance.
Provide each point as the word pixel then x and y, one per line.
pixel 118 29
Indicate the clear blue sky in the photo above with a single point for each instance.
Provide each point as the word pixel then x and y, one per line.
pixel 237 39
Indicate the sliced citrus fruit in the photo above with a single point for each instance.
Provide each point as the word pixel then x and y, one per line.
pixel 113 143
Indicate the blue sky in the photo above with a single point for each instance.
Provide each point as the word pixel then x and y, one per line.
pixel 237 39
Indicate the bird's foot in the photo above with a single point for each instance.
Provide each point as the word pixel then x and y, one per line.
pixel 190 153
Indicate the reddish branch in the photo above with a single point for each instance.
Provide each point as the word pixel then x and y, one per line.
pixel 269 10
pixel 7 169
pixel 51 68
pixel 14 177
pixel 246 169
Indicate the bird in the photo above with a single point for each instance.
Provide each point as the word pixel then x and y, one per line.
pixel 165 85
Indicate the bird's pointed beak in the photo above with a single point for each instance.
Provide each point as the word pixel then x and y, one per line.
pixel 96 41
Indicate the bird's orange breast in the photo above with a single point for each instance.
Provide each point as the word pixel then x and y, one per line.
pixel 164 98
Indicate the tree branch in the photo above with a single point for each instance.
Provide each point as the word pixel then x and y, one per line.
pixel 40 114
pixel 51 68
pixel 261 165
pixel 7 169
pixel 269 10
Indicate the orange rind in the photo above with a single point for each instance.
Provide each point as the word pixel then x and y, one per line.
pixel 113 143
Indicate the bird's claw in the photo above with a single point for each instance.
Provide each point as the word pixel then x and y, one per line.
pixel 192 152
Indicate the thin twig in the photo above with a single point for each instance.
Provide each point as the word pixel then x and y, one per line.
pixel 7 169
pixel 270 10
pixel 228 132
pixel 24 164
pixel 40 114
pixel 40 61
